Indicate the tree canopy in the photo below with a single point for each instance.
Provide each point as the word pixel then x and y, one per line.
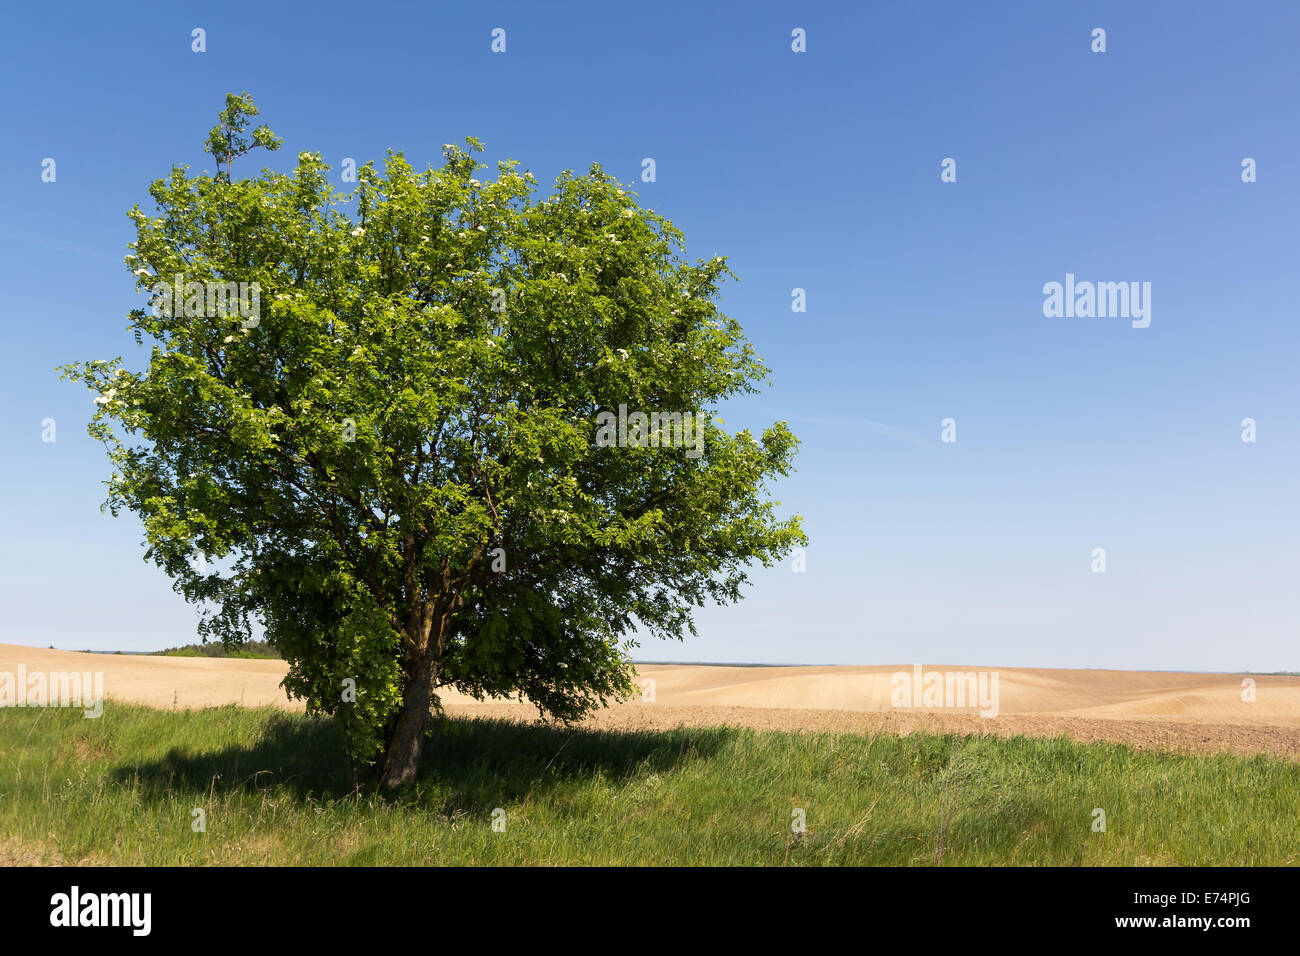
pixel 372 414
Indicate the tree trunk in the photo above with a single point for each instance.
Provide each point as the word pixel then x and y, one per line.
pixel 402 762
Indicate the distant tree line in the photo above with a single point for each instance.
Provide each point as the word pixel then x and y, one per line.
pixel 255 649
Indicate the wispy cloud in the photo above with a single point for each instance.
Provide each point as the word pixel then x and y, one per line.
pixel 853 423
pixel 57 246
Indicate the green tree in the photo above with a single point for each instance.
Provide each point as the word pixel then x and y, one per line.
pixel 385 446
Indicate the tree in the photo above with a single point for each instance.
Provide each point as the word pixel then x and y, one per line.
pixel 378 424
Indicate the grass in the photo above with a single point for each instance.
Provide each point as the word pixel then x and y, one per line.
pixel 276 790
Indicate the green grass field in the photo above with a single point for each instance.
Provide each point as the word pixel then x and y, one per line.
pixel 276 790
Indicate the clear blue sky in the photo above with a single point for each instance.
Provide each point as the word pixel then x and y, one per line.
pixel 820 171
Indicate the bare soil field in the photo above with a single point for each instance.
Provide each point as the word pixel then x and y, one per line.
pixel 1146 709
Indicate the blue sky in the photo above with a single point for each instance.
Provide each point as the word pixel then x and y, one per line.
pixel 818 170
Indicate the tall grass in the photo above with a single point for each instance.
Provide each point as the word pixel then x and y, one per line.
pixel 276 789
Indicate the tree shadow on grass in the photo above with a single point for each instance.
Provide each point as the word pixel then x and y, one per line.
pixel 470 765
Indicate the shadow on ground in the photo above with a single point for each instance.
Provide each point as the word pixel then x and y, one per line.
pixel 469 763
